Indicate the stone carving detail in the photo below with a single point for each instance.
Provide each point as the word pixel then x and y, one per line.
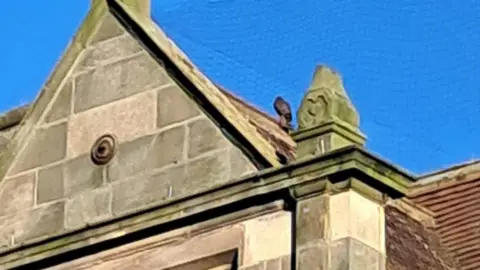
pixel 325 101
pixel 315 108
pixel 104 149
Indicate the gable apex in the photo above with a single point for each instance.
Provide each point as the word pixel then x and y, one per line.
pixel 142 7
pixel 83 38
pixel 157 40
pixel 167 130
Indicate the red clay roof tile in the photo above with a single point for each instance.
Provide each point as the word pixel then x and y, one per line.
pixel 455 202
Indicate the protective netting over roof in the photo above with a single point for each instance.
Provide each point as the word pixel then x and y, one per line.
pixel 412 68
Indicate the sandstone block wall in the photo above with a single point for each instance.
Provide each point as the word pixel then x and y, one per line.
pixel 340 231
pixel 262 242
pixel 168 147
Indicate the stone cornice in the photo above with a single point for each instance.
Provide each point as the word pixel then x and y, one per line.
pixel 267 185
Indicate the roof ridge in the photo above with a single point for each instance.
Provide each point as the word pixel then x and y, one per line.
pixel 460 174
pixel 444 184
pixel 449 169
pixel 246 103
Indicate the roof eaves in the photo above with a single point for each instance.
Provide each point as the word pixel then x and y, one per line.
pixel 465 172
pixel 436 175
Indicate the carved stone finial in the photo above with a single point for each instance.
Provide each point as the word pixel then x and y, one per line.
pixel 327 119
pixel 326 100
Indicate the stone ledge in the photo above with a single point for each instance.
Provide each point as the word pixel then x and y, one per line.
pixel 336 127
pixel 266 184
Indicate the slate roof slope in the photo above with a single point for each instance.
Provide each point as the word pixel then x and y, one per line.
pixel 265 125
pixel 453 197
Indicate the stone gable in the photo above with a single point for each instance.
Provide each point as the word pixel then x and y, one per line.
pixel 167 191
pixel 168 147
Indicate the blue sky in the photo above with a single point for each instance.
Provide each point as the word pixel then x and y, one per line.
pixel 412 68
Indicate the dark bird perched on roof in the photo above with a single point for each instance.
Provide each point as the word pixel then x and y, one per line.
pixel 285 112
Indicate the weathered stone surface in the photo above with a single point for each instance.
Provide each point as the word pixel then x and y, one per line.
pixel 147 153
pixel 174 106
pixel 6 135
pixel 267 237
pixel 368 221
pixel 109 28
pixel 10 132
pixel 108 51
pixel 80 184
pixel 81 174
pixel 40 222
pixel 207 172
pixel 313 258
pixel 6 231
pixel 13 117
pixel 61 107
pixel 286 262
pixel 363 257
pixel 168 147
pixel 3 143
pixel 208 263
pixel 327 120
pixel 127 119
pixel 340 254
pixel 50 184
pixel 117 80
pixel 274 264
pixel 326 99
pixel 88 208
pixel 143 191
pixel 167 251
pixel 131 159
pixel 257 266
pixel 239 164
pixel 204 136
pixel 222 267
pixel 311 219
pixel 351 254
pixel 353 215
pixel 218 261
pixel 46 146
pixel 16 194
